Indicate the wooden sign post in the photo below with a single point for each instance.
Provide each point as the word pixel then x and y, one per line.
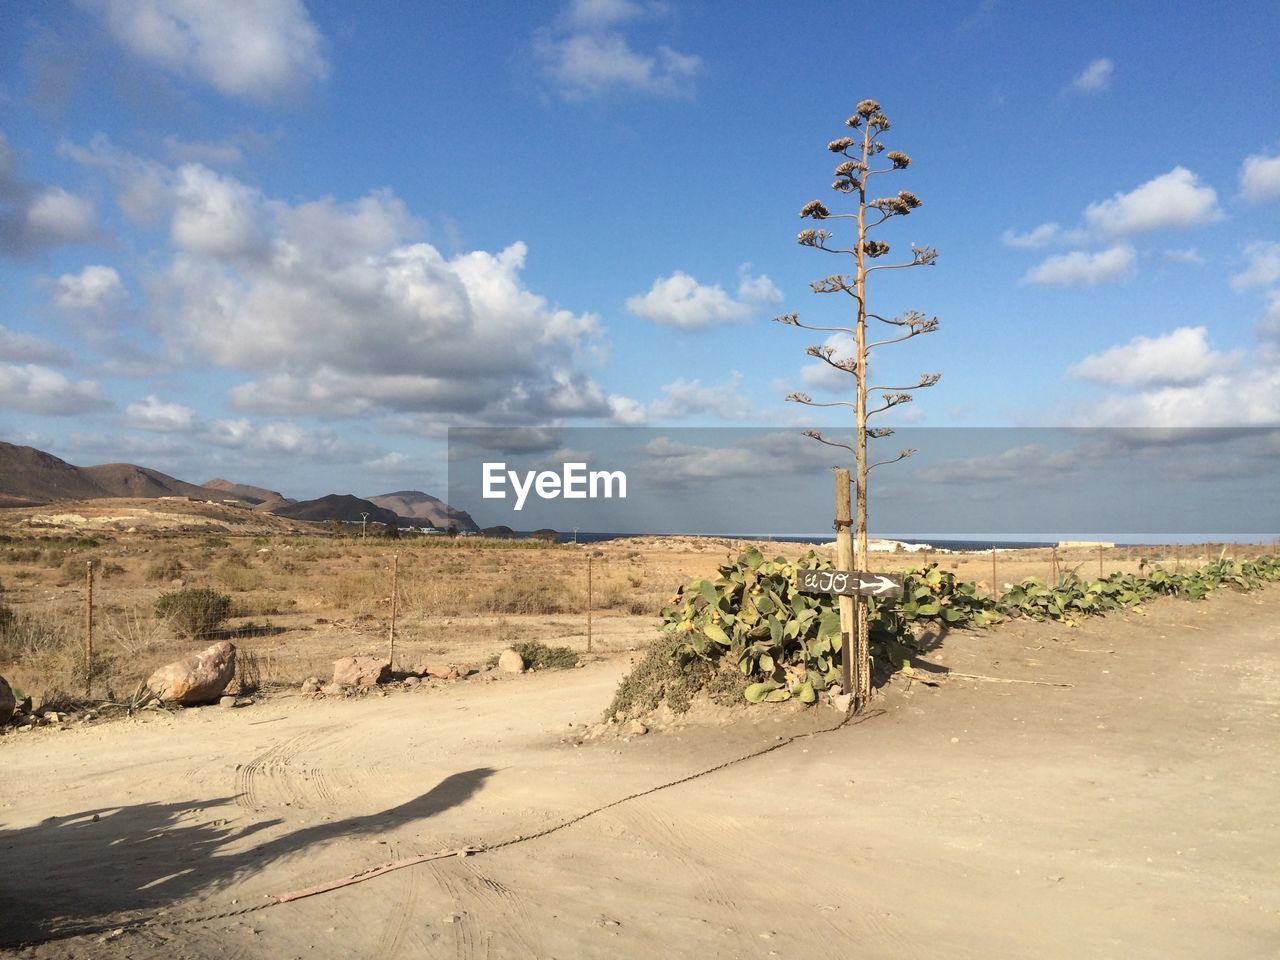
pixel 844 560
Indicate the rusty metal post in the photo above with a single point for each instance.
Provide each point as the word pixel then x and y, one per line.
pixel 851 673
pixel 590 551
pixel 1099 561
pixel 395 594
pixel 88 629
pixel 993 573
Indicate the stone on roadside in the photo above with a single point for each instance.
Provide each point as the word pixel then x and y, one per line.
pixel 227 701
pixel 8 702
pixel 361 671
pixel 510 662
pixel 842 702
pixel 199 678
pixel 412 681
pixel 311 685
pixel 637 729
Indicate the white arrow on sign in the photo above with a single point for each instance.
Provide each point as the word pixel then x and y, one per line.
pixel 882 584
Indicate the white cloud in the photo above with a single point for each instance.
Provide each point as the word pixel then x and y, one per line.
pixel 1262 267
pixel 1260 178
pixel 1081 269
pixel 92 289
pixel 681 301
pixel 1177 358
pixel 152 413
pixel 1187 255
pixel 28 348
pixel 1032 239
pixel 214 214
pixel 62 217
pixel 823 375
pixel 255 49
pixel 1172 201
pixel 1094 78
pixel 1268 325
pixel 689 398
pixel 603 13
pixel 1249 398
pixel 586 57
pixel 627 412
pixel 215 153
pixel 32 388
pixel 48 217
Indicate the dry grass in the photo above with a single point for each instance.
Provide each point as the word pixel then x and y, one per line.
pixel 299 602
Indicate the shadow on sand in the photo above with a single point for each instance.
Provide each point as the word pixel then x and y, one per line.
pixel 77 874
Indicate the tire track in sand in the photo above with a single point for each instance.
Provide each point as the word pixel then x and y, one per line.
pixel 486 905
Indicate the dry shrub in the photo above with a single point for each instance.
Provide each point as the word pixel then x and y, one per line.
pixel 196 612
pixel 165 568
pixel 134 632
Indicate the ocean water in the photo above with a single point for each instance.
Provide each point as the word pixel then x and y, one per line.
pixel 937 544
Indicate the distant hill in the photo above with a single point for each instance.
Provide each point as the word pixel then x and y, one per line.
pixel 337 506
pixel 416 505
pixel 31 476
pixel 130 480
pixel 257 496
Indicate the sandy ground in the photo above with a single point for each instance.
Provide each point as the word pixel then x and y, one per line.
pixel 1127 815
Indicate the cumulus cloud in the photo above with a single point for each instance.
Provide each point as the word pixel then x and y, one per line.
pixel 1262 266
pixel 681 301
pixel 1248 398
pixel 1094 78
pixel 690 398
pixel 825 376
pixel 1032 239
pixel 253 49
pixel 1268 326
pixel 586 55
pixel 1185 255
pixel 35 216
pixel 1176 200
pixel 32 388
pixel 1081 269
pixel 1177 358
pixel 214 214
pixel 93 289
pixel 28 348
pixel 1260 178
pixel 152 413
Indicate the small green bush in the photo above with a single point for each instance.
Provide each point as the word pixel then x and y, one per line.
pixel 195 612
pixel 538 656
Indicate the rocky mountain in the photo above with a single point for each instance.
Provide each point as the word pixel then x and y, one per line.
pixel 31 476
pixel 419 506
pixel 337 506
pixel 259 497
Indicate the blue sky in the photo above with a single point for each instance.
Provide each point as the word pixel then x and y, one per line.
pixel 291 244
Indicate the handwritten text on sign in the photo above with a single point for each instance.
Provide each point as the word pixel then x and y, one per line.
pixel 850 583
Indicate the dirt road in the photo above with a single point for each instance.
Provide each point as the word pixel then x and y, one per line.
pixel 1130 814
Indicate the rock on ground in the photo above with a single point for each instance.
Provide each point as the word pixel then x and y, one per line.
pixel 199 678
pixel 8 702
pixel 510 662
pixel 361 671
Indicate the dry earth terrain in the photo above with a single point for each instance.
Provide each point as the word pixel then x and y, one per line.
pixel 1118 806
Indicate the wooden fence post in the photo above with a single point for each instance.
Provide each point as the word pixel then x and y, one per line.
pixel 88 629
pixel 590 551
pixel 395 593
